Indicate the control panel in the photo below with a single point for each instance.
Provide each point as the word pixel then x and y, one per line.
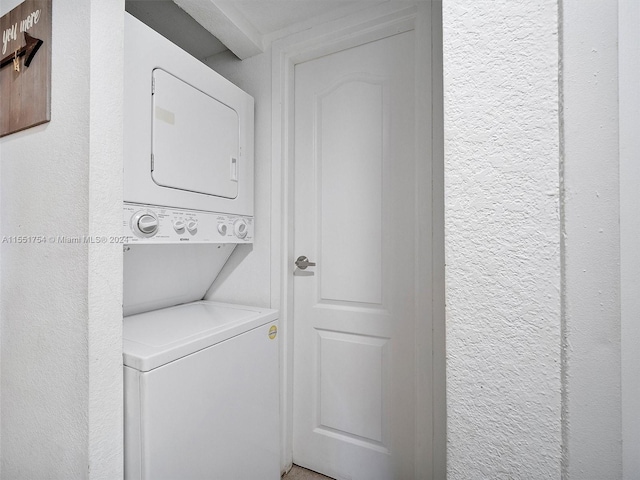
pixel 154 224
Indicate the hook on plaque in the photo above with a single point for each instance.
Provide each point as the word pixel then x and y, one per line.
pixel 32 45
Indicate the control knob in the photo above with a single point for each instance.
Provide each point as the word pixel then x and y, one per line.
pixel 240 228
pixel 222 229
pixel 192 226
pixel 178 226
pixel 145 224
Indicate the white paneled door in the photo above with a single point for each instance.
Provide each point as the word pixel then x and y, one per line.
pixel 355 217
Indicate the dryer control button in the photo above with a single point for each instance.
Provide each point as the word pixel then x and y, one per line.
pixel 145 224
pixel 192 226
pixel 222 229
pixel 240 228
pixel 178 225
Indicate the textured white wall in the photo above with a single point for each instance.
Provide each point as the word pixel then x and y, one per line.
pixel 591 245
pixel 246 278
pixel 61 311
pixel 629 72
pixel 104 335
pixel 502 241
pixel 524 276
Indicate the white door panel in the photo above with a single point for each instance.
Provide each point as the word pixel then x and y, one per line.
pixel 349 147
pixel 354 216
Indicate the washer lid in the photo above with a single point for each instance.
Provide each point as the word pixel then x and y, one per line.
pixel 152 339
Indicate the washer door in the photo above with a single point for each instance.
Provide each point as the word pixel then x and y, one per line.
pixel 195 139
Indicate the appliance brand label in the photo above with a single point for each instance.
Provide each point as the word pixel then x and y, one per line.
pixel 273 331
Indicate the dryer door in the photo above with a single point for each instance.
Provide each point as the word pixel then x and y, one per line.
pixel 195 139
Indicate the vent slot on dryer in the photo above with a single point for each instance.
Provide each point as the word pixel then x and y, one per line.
pixel 195 139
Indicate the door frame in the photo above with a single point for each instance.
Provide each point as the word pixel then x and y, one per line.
pixel 379 21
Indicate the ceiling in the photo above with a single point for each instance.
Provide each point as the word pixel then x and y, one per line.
pixel 166 18
pixel 270 17
pixel 246 27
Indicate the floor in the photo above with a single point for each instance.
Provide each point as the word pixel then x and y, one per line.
pixel 299 473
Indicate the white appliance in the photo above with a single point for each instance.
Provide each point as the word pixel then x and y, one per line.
pixel 201 402
pixel 188 172
pixel 201 378
pixel 188 145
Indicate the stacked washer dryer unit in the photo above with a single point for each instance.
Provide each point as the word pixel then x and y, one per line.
pixel 201 378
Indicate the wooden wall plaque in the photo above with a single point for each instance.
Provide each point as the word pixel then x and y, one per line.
pixel 25 66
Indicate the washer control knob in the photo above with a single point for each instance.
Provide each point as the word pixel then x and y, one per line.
pixel 222 229
pixel 178 225
pixel 145 224
pixel 240 228
pixel 192 226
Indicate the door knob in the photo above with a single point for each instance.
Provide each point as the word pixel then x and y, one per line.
pixel 303 262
